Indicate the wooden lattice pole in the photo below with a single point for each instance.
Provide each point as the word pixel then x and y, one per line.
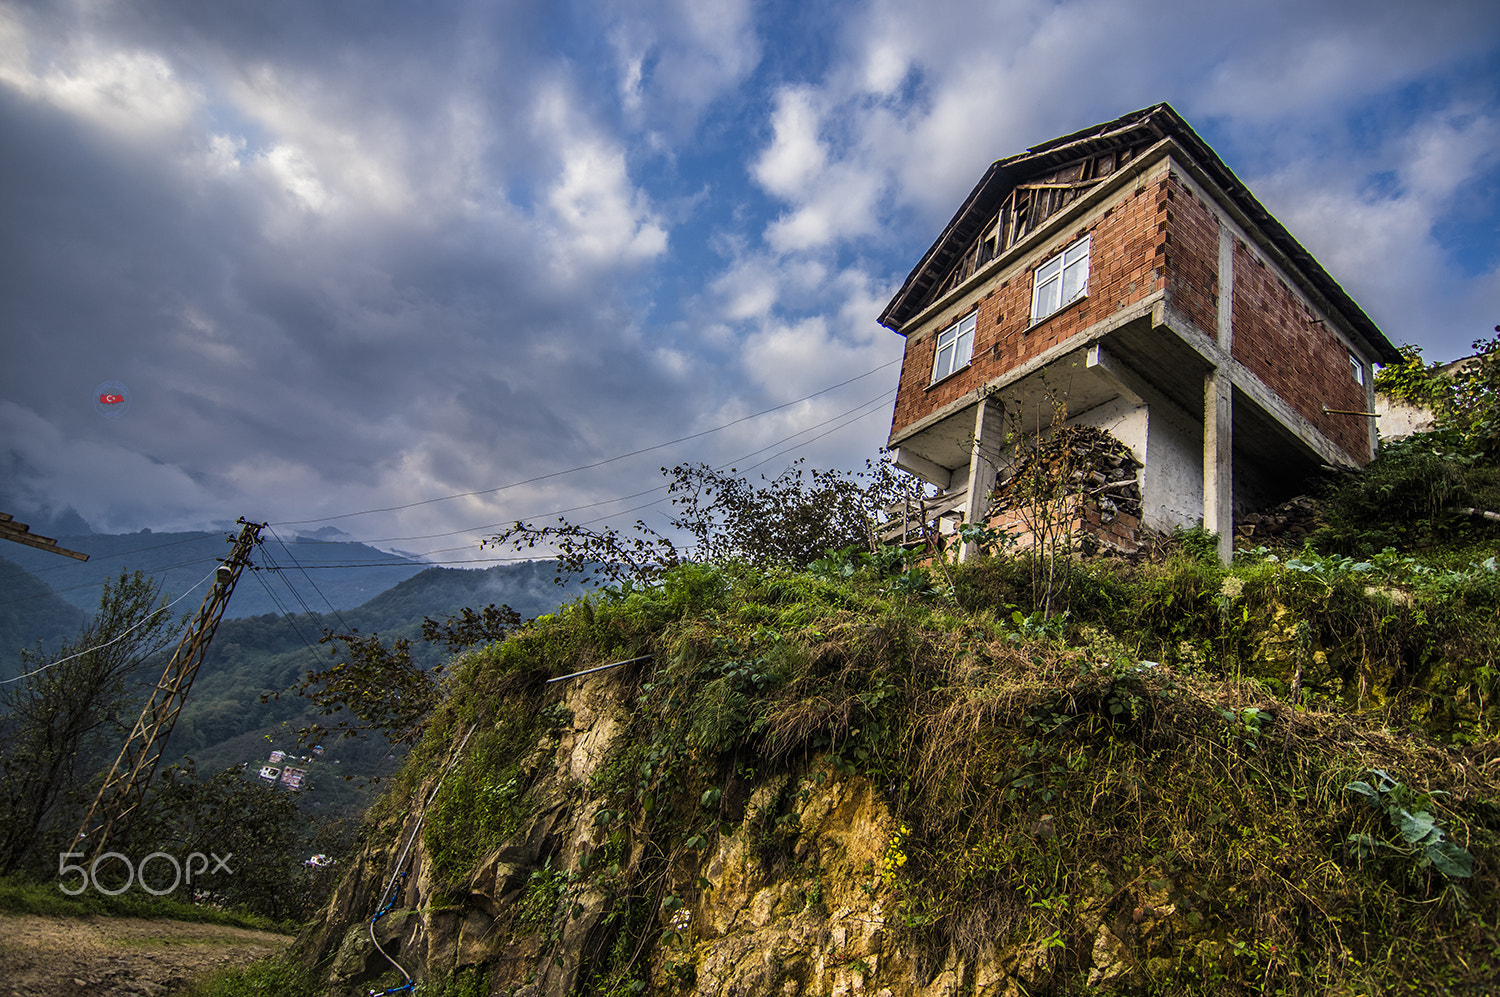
pixel 125 787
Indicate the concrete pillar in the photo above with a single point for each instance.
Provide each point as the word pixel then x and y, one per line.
pixel 1218 461
pixel 1225 337
pixel 1218 412
pixel 984 463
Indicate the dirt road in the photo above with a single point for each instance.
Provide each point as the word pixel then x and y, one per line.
pixel 117 957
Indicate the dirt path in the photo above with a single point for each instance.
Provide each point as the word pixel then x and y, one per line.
pixel 117 957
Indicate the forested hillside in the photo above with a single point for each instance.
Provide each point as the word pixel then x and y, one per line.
pixel 64 723
pixel 31 616
pixel 241 693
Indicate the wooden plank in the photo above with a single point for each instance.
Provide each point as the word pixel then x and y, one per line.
pixel 1056 186
pixel 21 534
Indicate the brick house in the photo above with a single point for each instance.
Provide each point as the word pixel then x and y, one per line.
pixel 1123 277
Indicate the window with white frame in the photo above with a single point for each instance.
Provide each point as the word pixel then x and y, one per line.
pixel 1357 368
pixel 955 345
pixel 1060 280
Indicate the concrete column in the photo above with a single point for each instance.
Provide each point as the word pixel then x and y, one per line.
pixel 984 462
pixel 1225 336
pixel 1218 412
pixel 1218 461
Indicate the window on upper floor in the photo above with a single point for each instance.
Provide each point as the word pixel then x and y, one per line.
pixel 1357 369
pixel 955 345
pixel 1060 280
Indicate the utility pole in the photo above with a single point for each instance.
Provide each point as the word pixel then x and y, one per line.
pixel 125 788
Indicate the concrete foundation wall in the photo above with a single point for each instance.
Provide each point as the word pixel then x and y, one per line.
pixel 1121 419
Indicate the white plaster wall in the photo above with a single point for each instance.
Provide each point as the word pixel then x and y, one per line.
pixel 1123 420
pixel 1398 419
pixel 1172 493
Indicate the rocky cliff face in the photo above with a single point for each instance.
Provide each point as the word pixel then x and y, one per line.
pixel 795 900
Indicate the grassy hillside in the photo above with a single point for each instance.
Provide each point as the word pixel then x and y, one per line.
pixel 1271 778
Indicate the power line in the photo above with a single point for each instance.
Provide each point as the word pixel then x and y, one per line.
pixel 597 463
pixel 95 584
pixel 95 558
pixel 884 395
pixel 410 564
pixel 868 404
pixel 721 467
pixel 847 422
pixel 122 636
pixel 314 584
pixel 285 615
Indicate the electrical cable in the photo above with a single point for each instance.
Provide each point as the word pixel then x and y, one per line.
pixel 869 404
pixel 122 636
pixel 626 512
pixel 96 558
pixel 413 564
pixel 597 463
pixel 388 896
pixel 89 585
pixel 849 422
pixel 883 396
pixel 290 619
pixel 314 584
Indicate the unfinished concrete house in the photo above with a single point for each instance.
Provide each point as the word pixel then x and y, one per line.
pixel 1123 281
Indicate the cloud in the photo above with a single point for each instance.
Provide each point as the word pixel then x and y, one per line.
pixel 674 58
pixel 1382 243
pixel 1293 58
pixel 109 483
pixel 598 217
pixel 796 156
pixel 127 91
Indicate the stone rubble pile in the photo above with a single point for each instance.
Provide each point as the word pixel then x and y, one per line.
pixel 1291 522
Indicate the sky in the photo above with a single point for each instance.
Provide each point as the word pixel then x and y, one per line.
pixel 353 256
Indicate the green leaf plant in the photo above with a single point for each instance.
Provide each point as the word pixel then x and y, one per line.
pixel 1417 832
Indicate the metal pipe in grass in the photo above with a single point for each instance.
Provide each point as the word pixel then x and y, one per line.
pixel 590 671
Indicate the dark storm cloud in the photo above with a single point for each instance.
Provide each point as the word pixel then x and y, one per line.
pixel 264 341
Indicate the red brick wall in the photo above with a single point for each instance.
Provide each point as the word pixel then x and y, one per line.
pixel 1192 256
pixel 1303 362
pixel 1121 532
pixel 1126 263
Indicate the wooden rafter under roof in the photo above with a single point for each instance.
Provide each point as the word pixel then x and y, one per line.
pixel 1132 131
pixel 21 534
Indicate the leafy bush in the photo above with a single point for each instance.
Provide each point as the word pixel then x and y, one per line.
pixel 787 521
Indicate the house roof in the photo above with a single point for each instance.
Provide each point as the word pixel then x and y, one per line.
pixel 1148 124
